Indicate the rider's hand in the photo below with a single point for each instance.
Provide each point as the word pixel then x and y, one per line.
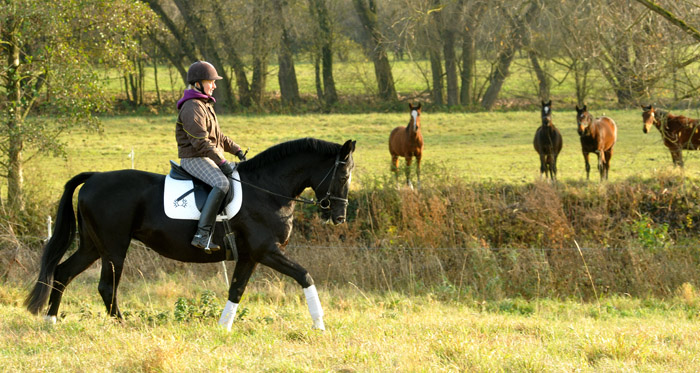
pixel 227 168
pixel 241 155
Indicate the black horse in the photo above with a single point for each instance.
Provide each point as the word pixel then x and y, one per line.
pixel 548 142
pixel 115 207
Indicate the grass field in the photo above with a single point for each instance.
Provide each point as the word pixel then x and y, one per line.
pixel 493 146
pixel 365 332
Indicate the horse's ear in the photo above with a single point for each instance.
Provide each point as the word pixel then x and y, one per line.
pixel 577 109
pixel 543 104
pixel 347 148
pixel 549 103
pixel 585 107
pixel 410 106
pixel 419 105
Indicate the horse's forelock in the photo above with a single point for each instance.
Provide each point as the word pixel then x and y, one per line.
pixel 280 151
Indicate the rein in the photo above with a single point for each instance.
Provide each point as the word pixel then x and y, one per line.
pixel 324 203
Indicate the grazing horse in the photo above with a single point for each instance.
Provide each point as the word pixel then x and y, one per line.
pixel 548 143
pixel 678 132
pixel 118 206
pixel 407 142
pixel 597 136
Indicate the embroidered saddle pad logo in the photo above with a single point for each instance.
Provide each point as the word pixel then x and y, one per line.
pixel 179 200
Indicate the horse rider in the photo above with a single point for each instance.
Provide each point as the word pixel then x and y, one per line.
pixel 201 145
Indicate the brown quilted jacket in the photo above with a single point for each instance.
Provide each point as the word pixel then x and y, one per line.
pixel 198 133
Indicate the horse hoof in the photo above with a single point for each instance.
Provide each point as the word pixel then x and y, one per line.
pixel 50 319
pixel 318 325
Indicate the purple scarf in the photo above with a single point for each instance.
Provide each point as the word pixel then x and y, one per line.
pixel 190 94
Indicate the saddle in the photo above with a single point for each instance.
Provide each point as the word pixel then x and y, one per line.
pixel 200 189
pixel 184 195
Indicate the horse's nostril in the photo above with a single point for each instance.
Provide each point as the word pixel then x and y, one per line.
pixel 340 219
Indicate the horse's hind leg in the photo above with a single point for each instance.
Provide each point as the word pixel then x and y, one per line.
pixel 109 282
pixel 608 155
pixel 67 271
pixel 277 261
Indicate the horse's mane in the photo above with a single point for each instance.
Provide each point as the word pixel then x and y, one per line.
pixel 280 151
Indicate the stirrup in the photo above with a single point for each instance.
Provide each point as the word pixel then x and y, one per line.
pixel 204 242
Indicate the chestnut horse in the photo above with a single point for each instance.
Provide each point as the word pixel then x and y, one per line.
pixel 548 143
pixel 678 132
pixel 407 142
pixel 597 136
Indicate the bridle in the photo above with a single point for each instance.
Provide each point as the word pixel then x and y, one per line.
pixel 324 203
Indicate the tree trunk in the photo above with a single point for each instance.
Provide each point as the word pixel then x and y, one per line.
pixel 245 96
pixel 260 35
pixel 317 77
pixel 287 76
pixel 325 42
pixel 542 77
pixel 448 48
pixel 469 53
pixel 436 58
pixel 448 20
pixel 367 12
pixel 506 55
pixel 191 13
pixel 15 179
pixel 436 69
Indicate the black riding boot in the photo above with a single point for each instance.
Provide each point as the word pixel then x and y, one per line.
pixel 202 239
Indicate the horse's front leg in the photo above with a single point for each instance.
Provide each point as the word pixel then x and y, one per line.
pixel 241 274
pixel 588 165
pixel 677 156
pixel 418 157
pixel 409 160
pixel 276 260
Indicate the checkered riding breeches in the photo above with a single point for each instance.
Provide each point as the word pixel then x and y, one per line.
pixel 206 170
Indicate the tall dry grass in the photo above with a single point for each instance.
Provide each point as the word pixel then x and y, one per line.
pixel 493 240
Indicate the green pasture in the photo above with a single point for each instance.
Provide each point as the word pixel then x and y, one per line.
pixel 487 147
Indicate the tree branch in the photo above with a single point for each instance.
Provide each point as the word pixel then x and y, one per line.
pixel 671 18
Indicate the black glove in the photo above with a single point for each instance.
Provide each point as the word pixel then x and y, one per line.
pixel 227 168
pixel 241 155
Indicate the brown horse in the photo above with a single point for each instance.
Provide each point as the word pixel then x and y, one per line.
pixel 407 142
pixel 548 143
pixel 597 136
pixel 678 132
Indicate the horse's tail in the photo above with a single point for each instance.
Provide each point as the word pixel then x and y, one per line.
pixel 63 236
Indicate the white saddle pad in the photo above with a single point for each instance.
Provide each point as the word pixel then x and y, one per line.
pixel 186 208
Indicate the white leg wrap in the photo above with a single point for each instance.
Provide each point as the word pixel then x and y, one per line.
pixel 314 307
pixel 50 319
pixel 228 315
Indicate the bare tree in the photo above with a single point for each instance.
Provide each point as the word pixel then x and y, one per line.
pixel 367 12
pixel 324 47
pixel 519 23
pixel 289 87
